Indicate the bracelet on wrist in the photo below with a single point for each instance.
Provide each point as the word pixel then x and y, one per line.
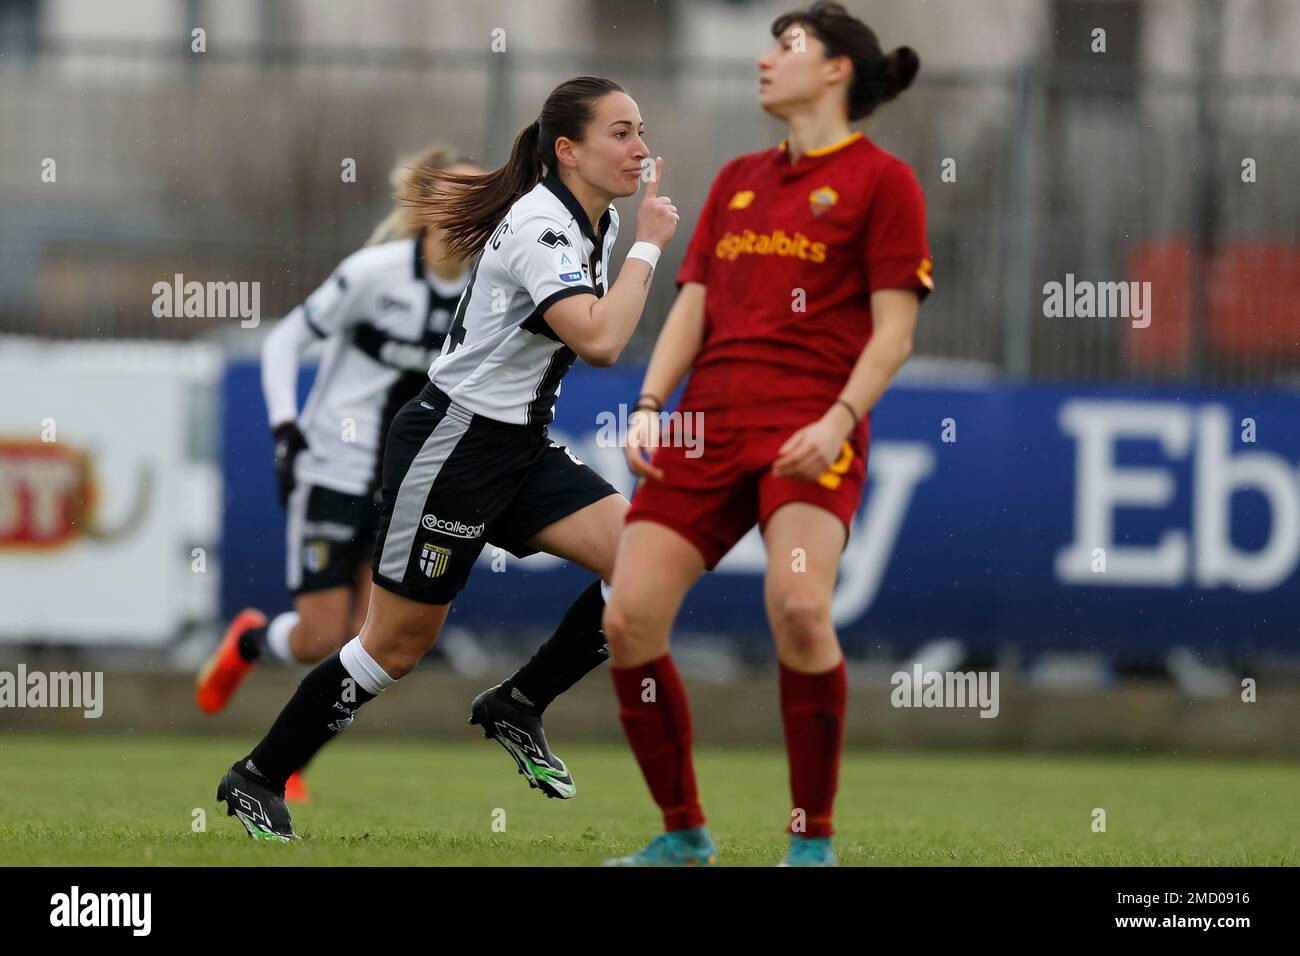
pixel 643 402
pixel 849 408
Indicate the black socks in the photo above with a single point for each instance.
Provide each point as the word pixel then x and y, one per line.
pixel 328 698
pixel 252 643
pixel 576 647
pixel 324 704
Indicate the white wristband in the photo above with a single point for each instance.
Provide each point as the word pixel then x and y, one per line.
pixel 646 252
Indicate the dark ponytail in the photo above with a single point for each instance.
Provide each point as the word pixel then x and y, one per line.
pixel 467 207
pixel 877 77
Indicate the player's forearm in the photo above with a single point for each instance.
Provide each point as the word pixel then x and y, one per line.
pixel 280 367
pixel 678 344
pixel 614 317
pixel 874 370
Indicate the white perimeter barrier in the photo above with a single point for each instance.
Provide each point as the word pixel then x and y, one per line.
pixel 110 493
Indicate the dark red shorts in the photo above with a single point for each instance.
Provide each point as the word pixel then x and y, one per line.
pixel 714 498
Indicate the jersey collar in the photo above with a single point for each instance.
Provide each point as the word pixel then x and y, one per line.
pixel 562 193
pixel 784 147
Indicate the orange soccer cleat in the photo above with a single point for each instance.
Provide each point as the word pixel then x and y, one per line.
pixel 295 789
pixel 223 671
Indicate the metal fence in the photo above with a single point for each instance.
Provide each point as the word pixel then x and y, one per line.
pixel 227 166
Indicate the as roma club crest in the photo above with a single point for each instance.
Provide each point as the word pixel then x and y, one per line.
pixel 822 199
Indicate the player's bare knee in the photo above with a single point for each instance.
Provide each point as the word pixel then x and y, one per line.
pixel 615 625
pixel 399 647
pixel 799 619
pixel 626 632
pixel 310 653
pixel 399 659
pixel 318 642
pixel 398 663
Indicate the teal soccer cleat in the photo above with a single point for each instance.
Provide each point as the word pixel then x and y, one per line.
pixel 693 847
pixel 809 851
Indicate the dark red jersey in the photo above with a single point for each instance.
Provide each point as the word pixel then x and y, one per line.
pixel 790 254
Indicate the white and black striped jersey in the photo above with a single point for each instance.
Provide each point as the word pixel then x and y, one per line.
pixel 383 318
pixel 501 360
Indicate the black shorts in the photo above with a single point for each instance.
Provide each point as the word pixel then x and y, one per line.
pixel 454 481
pixel 329 535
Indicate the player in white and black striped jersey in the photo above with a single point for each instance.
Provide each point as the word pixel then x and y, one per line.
pixel 501 359
pixel 381 317
pixel 469 461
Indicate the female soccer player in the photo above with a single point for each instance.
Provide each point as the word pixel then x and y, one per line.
pixel 469 461
pixel 798 299
pixel 382 316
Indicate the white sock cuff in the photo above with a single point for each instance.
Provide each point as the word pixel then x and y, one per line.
pixel 372 678
pixel 277 635
pixel 605 590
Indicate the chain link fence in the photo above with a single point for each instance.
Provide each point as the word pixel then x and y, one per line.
pixel 124 164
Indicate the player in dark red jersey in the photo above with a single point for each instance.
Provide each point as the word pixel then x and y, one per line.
pixel 798 301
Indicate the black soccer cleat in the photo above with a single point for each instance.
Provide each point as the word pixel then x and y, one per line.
pixel 516 728
pixel 260 809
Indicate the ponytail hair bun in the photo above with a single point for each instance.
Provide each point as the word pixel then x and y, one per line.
pixel 901 65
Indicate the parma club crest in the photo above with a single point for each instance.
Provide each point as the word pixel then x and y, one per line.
pixel 316 556
pixel 822 199
pixel 433 560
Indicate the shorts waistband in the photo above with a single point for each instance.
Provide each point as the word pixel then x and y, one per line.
pixel 436 397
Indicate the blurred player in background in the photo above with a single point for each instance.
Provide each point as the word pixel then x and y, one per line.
pixel 798 300
pixel 382 316
pixel 469 461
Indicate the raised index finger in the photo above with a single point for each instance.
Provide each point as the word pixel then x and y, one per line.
pixel 652 187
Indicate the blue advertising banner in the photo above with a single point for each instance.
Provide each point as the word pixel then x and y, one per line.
pixel 1050 516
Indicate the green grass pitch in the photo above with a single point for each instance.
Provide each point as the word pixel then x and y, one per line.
pixel 100 800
